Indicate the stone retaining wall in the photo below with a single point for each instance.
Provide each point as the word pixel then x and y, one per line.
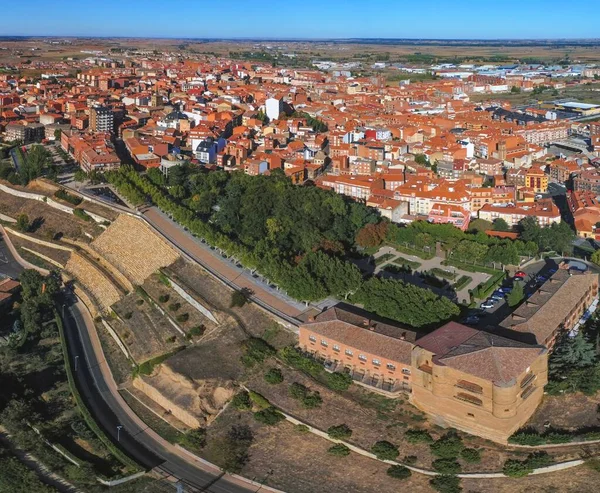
pixel 94 281
pixel 134 249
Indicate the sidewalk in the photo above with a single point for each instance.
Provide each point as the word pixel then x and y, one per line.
pixel 435 262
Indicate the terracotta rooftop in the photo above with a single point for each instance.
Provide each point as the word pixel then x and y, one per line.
pixel 481 354
pixel 545 310
pixel 354 330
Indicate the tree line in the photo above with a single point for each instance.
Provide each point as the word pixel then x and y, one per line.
pixel 298 237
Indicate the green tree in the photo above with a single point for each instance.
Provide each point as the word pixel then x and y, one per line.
pixel 572 353
pixel 516 295
pixel 339 450
pixel 500 225
pixel 446 483
pixel 23 223
pixel 339 432
pixel 399 472
pixel 422 159
pixel 595 258
pixel 448 446
pixel 384 450
pixel 274 376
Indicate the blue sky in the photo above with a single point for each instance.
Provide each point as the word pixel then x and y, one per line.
pixel 479 19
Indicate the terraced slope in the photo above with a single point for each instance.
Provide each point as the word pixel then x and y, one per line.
pixel 133 248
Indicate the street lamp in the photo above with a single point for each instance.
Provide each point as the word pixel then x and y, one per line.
pixel 119 427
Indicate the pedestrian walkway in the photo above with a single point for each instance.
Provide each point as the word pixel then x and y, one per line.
pixel 435 262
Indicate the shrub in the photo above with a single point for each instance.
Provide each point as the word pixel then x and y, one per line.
pixel 23 223
pixel 128 315
pixel 193 439
pixel 418 436
pixel 398 472
pixel 293 357
pixel 471 455
pixel 174 306
pixel 302 428
pixel 163 298
pixel 516 469
pixel 139 302
pixel 339 450
pixel 527 437
pixel 182 318
pixel 67 197
pixel 256 351
pixel 446 466
pixel 308 399
pixel 171 339
pixel 446 484
pixel 384 450
pixel 410 460
pixel 81 214
pixel 240 298
pixel 274 376
pixel 241 401
pixel 539 459
pixel 339 381
pixel 269 416
pixel 259 401
pixel 196 331
pixel 447 447
pixel 339 432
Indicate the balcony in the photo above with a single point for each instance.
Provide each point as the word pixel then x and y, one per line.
pixel 469 399
pixel 527 392
pixel 471 387
pixel 527 380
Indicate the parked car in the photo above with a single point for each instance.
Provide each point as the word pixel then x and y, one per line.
pixel 552 271
pixel 473 319
pixel 487 304
pixel 506 289
pixel 521 274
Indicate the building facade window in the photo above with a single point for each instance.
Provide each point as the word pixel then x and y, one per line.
pixel 362 357
pixel 349 352
pixel 391 367
pixel 324 343
pixel 312 338
pixel 461 396
pixel 406 371
pixel 336 347
pixel 376 362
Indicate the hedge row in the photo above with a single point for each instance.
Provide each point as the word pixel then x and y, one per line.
pixel 85 413
pixel 553 436
pixel 484 289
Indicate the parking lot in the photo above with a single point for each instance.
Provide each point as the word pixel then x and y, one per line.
pixel 536 274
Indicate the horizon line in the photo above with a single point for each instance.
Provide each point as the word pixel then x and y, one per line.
pixel 291 38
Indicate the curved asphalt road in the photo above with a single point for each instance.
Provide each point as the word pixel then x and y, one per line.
pixel 136 441
pixel 110 410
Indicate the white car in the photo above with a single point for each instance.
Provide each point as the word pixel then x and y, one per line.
pixel 487 304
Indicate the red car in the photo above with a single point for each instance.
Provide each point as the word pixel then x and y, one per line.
pixel 521 274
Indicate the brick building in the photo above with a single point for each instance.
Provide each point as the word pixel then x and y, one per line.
pixel 376 354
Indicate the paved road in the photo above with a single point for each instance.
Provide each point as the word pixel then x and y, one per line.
pixel 100 393
pixel 211 259
pixel 8 265
pixel 110 411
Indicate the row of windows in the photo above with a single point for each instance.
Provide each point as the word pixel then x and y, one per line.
pixel 361 357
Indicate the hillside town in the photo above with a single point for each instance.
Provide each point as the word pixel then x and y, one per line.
pixel 354 259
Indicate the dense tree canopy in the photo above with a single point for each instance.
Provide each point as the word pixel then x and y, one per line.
pixel 404 302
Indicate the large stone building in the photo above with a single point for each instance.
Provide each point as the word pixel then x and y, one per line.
pixel 476 381
pixel 487 383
